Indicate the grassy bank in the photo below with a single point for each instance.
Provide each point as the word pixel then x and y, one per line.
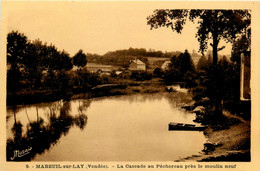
pixel 125 89
pixel 122 88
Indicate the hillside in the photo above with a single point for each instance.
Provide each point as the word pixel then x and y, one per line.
pixel 122 58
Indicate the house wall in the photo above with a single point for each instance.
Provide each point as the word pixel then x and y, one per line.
pixel 142 67
pixel 134 66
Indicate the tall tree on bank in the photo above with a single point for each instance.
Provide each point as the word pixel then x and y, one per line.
pixel 16 52
pixel 213 24
pixel 80 59
pixel 181 69
pixel 16 48
pixel 202 63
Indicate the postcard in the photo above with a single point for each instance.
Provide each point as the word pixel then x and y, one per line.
pixel 129 85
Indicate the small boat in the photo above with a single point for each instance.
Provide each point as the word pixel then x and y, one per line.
pixel 185 127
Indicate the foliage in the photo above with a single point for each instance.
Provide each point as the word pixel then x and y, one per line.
pixel 202 63
pixel 50 80
pixel 138 52
pixel 218 83
pixel 141 75
pixel 38 70
pixel 181 69
pixel 16 48
pixel 13 79
pixel 158 72
pixel 215 24
pixel 80 59
pixel 123 57
pixel 240 45
pixel 61 61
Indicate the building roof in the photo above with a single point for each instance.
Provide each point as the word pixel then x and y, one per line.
pixel 165 64
pixel 137 61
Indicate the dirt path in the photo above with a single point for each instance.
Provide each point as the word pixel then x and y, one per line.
pixel 229 115
pixel 231 144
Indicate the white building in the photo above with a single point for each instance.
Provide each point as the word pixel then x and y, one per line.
pixel 165 65
pixel 137 65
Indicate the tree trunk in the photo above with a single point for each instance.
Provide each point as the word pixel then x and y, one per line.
pixel 219 106
pixel 218 98
pixel 215 48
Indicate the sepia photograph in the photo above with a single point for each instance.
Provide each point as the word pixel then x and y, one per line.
pixel 122 81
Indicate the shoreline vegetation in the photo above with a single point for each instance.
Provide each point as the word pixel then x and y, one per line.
pixel 129 87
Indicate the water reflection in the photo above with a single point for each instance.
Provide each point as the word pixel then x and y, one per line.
pixel 41 133
pixel 121 128
pixel 176 100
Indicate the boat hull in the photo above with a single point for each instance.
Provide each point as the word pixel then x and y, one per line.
pixel 186 128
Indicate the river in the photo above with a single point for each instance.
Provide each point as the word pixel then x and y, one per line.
pixel 120 128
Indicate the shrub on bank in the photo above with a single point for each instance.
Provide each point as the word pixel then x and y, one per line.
pixel 141 75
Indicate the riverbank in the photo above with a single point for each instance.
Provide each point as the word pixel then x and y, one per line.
pixel 126 87
pixel 231 144
pixel 122 89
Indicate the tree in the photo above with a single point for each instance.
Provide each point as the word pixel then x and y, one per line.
pixel 80 59
pixel 16 48
pixel 158 72
pixel 32 63
pixel 186 63
pixel 240 45
pixel 213 24
pixel 181 69
pixel 65 61
pixel 210 60
pixel 202 63
pixel 13 78
pixel 53 58
pixel 172 74
pixel 16 53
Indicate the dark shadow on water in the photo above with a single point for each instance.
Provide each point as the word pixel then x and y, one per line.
pixel 41 135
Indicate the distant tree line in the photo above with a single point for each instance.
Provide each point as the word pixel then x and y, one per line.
pixel 141 52
pixel 123 57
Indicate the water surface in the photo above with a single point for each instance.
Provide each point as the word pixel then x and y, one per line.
pixel 121 128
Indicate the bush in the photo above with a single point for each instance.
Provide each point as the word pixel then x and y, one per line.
pixel 141 75
pixel 158 72
pixel 220 83
pixel 181 69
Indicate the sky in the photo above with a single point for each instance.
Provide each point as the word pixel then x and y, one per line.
pixel 97 27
